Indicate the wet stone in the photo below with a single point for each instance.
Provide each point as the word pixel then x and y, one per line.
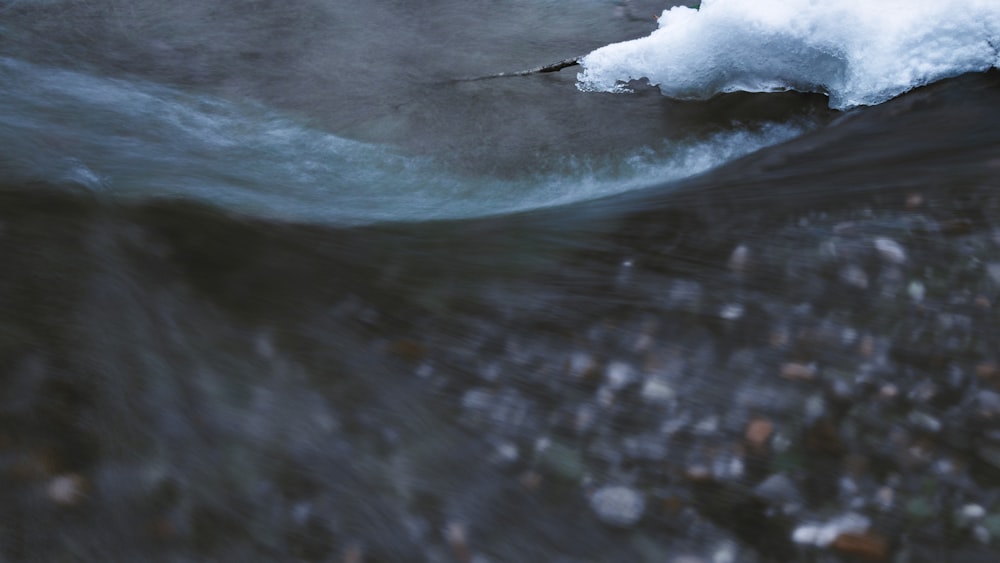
pixel 890 250
pixel 759 431
pixel 67 490
pixel 645 448
pixel 798 372
pixel 618 375
pixel 867 546
pixel 562 461
pixel 618 505
pixel 685 295
pixel 657 390
pixel 987 371
pixel 824 534
pixel 739 260
pixel 990 454
pixel 779 490
pixel 988 404
pixel 854 276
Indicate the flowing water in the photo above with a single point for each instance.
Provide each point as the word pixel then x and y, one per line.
pixel 301 280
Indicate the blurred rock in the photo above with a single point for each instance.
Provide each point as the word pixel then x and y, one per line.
pixel 890 250
pixel 758 432
pixel 868 546
pixel 618 505
pixel 739 260
pixel 853 275
pixel 657 390
pixel 824 534
pixel 67 490
pixel 798 372
pixel 618 375
pixel 457 537
pixel 779 490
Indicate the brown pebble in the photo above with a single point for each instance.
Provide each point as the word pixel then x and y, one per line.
pixel 35 465
pixel 699 474
pixel 162 529
pixel 855 465
pixel 867 346
pixel 759 432
pixel 987 370
pixel 798 372
pixel 956 226
pixel 67 490
pixel 823 437
pixel 409 350
pixel 778 338
pixel 888 391
pixel 455 534
pixel 353 554
pixel 914 200
pixel 864 545
pixel 983 302
pixel 531 480
pixel 673 504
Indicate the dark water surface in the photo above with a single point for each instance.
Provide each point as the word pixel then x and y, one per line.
pixel 277 286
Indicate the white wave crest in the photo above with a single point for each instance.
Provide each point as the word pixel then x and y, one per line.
pixel 133 140
pixel 858 52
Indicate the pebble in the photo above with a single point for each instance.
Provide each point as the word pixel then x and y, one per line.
pixel 890 250
pixel 973 512
pixel 353 554
pixel 656 390
pixel 987 370
pixel 956 226
pixel 988 403
pixel 618 375
pixel 779 490
pixel 925 422
pixel 617 505
pixel 989 454
pixel 864 545
pixel 685 295
pixel 457 537
pixel 798 372
pixel 759 431
pixel 825 534
pixel 739 259
pixel 505 454
pixel 409 350
pixel 885 498
pixel 866 346
pixel 67 489
pixel 854 276
pixel 731 311
pixel 993 270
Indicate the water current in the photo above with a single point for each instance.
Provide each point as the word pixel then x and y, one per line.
pixel 291 280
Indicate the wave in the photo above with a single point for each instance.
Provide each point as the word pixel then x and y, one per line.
pixel 136 140
pixel 858 52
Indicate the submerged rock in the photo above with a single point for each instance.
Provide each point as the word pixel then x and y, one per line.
pixel 618 505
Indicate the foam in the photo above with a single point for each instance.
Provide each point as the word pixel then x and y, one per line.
pixel 133 140
pixel 858 52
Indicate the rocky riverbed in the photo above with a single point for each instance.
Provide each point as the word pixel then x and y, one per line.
pixel 713 378
pixel 234 325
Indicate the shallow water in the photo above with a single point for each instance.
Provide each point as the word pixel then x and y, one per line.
pixel 280 284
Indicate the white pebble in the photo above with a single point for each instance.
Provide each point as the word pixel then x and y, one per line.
pixel 890 250
pixel 617 505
